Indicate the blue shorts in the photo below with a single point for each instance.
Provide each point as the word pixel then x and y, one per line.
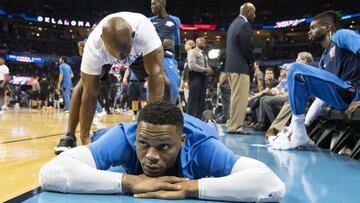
pixel 172 72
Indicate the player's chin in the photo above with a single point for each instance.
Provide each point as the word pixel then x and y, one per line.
pixel 153 172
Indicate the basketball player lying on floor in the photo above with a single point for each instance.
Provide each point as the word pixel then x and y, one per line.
pixel 167 155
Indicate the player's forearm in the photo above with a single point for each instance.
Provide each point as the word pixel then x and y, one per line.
pixel 252 185
pixel 5 79
pixel 74 171
pixel 156 87
pixel 87 111
pixel 250 181
pixel 154 63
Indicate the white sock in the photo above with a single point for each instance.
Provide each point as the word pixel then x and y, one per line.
pixel 314 111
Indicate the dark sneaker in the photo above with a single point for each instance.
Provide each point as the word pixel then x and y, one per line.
pixel 221 120
pixel 260 127
pixel 67 142
pixel 207 115
pixel 208 118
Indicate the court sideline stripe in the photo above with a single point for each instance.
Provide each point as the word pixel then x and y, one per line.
pixel 33 138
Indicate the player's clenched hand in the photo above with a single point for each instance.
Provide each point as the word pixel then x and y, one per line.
pixel 168 43
pixel 189 189
pixel 143 184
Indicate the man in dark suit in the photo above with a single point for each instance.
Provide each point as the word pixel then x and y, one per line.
pixel 239 59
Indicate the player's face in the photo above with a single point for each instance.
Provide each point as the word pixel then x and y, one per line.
pixel 2 61
pixel 155 7
pixel 120 51
pixel 317 32
pixel 157 147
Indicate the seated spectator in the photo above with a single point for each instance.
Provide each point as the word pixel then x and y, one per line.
pixel 285 113
pixel 270 82
pixel 258 79
pixel 278 96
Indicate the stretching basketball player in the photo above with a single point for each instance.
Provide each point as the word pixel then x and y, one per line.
pixel 119 38
pixel 167 155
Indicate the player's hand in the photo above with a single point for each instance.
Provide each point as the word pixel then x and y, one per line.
pixel 168 43
pixel 189 189
pixel 353 106
pixel 142 184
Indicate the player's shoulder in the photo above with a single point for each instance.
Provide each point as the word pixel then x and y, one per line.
pixel 344 34
pixel 151 18
pixel 175 18
pixel 5 67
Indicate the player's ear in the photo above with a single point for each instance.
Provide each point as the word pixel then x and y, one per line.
pixel 182 138
pixel 328 28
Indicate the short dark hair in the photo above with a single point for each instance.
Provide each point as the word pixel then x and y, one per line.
pixel 329 17
pixel 162 113
pixel 64 58
pixel 269 69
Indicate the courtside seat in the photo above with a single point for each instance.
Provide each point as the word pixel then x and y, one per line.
pixel 334 122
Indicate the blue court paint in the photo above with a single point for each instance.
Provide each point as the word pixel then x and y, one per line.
pixel 311 174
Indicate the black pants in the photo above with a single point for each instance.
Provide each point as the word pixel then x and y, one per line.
pixel 197 93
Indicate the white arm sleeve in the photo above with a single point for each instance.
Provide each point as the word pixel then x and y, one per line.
pixel 249 181
pixel 314 111
pixel 74 171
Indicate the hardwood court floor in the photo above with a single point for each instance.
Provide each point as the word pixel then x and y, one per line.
pixel 27 140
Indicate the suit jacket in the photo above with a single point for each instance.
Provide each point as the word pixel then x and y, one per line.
pixel 239 47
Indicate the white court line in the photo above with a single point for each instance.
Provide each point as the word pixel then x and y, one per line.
pixel 220 130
